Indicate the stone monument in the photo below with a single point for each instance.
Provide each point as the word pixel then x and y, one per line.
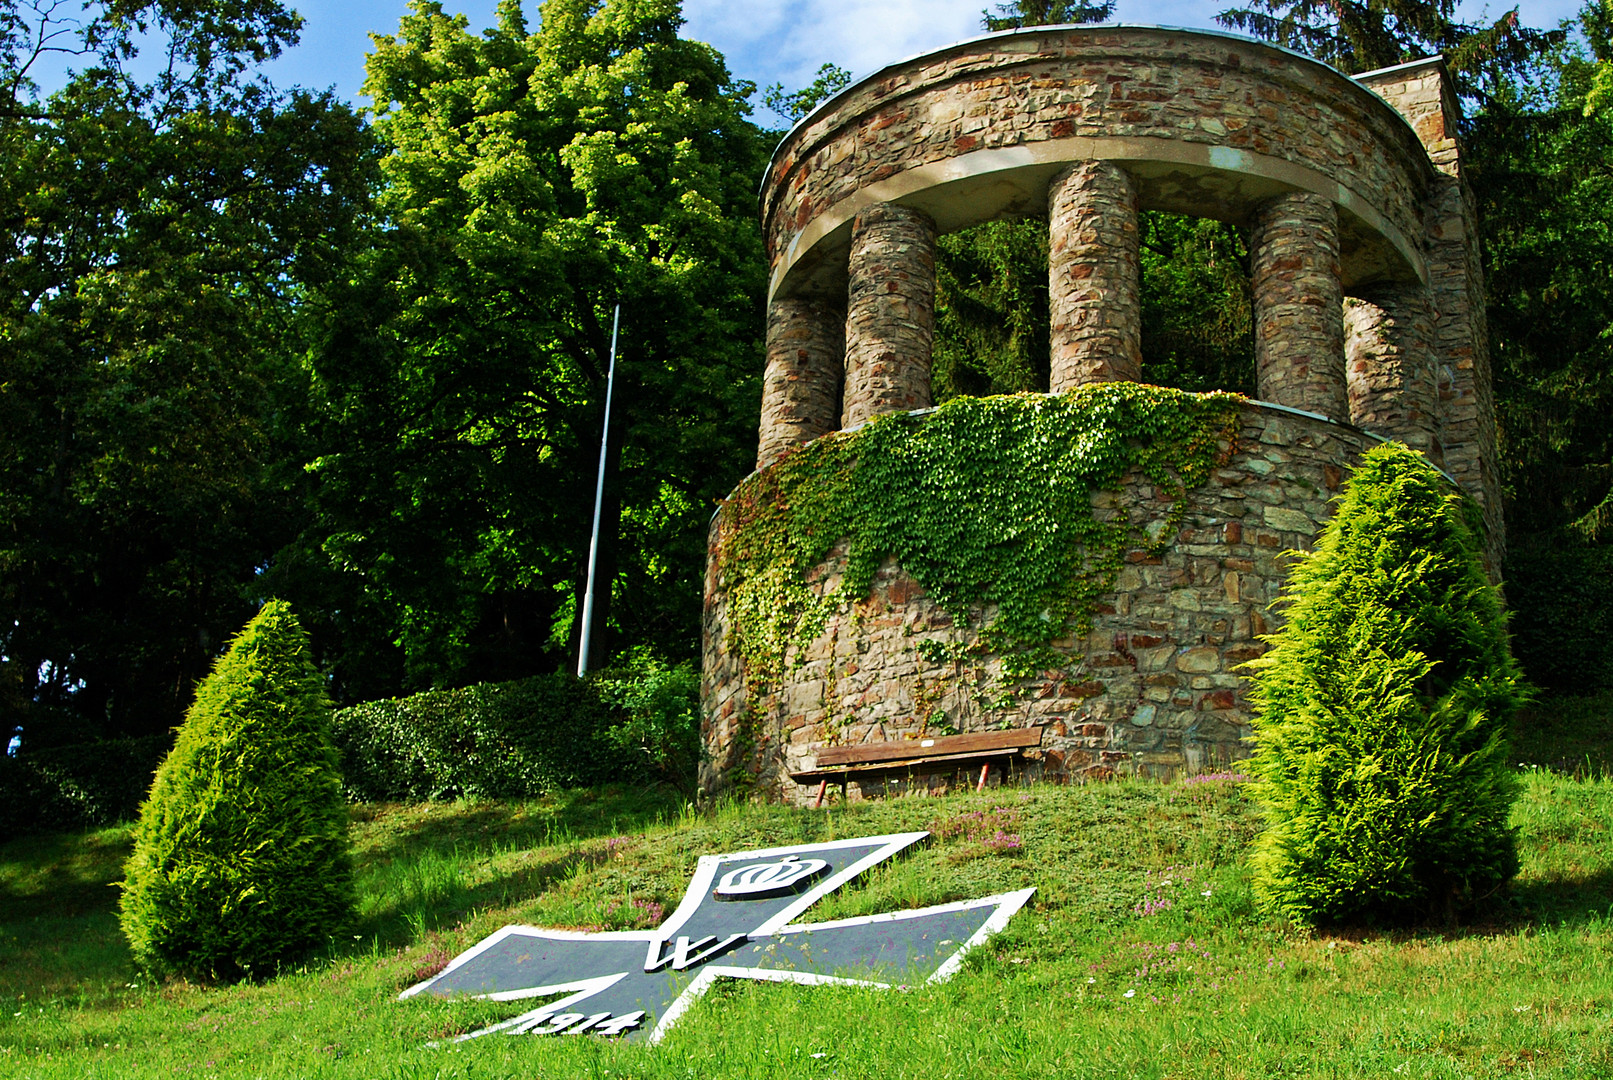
pixel 1368 322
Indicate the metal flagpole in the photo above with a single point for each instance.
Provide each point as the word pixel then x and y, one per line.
pixel 599 499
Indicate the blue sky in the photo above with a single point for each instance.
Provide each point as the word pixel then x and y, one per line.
pixel 766 41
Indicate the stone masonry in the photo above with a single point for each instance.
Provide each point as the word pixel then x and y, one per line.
pixel 1206 124
pixel 1093 276
pixel 1389 365
pixel 1369 311
pixel 806 347
pixel 890 313
pixel 1298 313
pixel 1153 687
pixel 1422 92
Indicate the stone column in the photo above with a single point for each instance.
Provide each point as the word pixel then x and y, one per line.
pixel 806 348
pixel 890 313
pixel 1389 366
pixel 1299 305
pixel 1093 276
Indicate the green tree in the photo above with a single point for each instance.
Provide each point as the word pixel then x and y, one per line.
pixel 1020 13
pixel 1197 305
pixel 1381 711
pixel 535 178
pixel 1590 78
pixel 160 239
pixel 658 737
pixel 1543 178
pixel 1544 183
pixel 991 314
pixel 793 105
pixel 241 859
pixel 992 327
pixel 1364 35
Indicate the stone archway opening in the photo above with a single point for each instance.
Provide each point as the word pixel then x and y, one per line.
pixel 1197 304
pixel 992 319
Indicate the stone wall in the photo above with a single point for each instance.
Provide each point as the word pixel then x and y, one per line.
pixel 1152 688
pixel 1368 297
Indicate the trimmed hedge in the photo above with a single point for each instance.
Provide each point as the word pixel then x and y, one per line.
pixel 636 723
pixel 492 740
pixel 78 787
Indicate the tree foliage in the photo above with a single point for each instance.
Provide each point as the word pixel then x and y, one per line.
pixel 241 860
pixel 991 314
pixel 159 237
pixel 1197 304
pixel 793 105
pixel 1364 35
pixel 1021 13
pixel 514 740
pixel 1381 711
pixel 992 326
pixel 1543 177
pixel 534 178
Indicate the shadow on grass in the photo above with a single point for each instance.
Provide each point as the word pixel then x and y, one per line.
pixel 61 875
pixel 59 900
pixel 58 914
pixel 416 860
pixel 435 904
pixel 1570 901
pixel 570 815
pixel 1542 904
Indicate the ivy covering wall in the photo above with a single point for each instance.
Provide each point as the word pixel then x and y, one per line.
pixel 984 501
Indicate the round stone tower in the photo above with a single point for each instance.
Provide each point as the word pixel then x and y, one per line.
pixel 1368 321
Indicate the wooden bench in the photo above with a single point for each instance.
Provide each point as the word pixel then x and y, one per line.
pixel 874 760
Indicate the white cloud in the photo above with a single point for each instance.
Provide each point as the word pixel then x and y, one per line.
pixel 786 41
pixel 770 40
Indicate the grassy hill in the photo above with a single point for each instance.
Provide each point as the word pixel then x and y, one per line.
pixel 1140 955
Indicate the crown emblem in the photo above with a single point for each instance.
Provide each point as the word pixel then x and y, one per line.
pixel 758 881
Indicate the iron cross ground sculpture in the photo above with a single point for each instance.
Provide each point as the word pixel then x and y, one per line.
pixel 737 921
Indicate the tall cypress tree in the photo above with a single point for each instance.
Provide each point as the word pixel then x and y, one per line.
pixel 241 859
pixel 1382 710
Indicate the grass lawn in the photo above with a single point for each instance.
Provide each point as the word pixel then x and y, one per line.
pixel 1139 956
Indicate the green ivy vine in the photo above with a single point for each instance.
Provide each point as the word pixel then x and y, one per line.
pixel 983 501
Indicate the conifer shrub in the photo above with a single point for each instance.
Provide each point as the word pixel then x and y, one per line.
pixel 1381 712
pixel 241 861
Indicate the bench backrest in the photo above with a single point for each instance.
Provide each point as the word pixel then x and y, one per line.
pixel 904 749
